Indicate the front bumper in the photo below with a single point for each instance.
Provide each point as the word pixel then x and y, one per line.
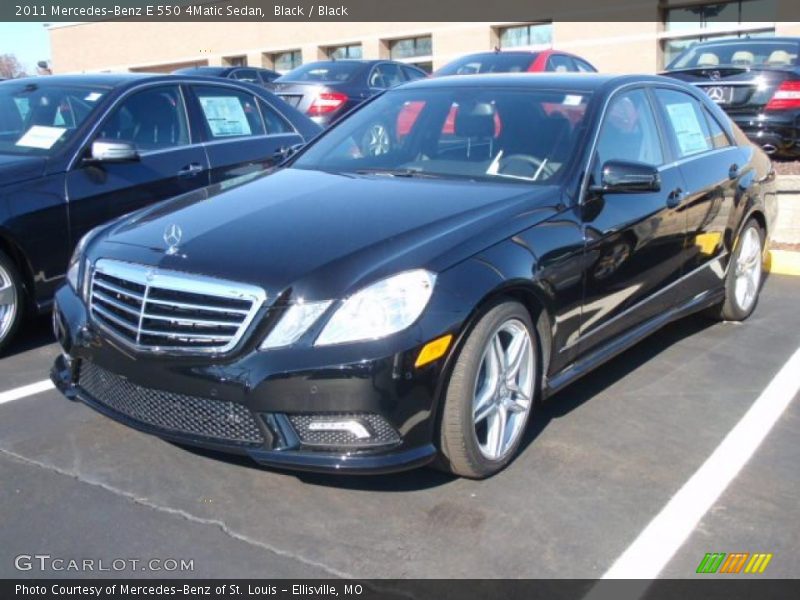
pixel 254 404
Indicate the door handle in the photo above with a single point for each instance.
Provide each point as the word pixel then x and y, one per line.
pixel 733 172
pixel 190 170
pixel 675 197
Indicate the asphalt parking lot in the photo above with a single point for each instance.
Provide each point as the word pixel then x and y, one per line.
pixel 601 460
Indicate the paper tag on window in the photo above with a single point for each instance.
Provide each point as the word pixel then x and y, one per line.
pixel 40 136
pixel 572 100
pixel 93 97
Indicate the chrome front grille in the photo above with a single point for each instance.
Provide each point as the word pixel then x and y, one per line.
pixel 168 311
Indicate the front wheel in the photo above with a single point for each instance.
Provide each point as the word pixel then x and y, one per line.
pixel 490 395
pixel 745 275
pixel 11 305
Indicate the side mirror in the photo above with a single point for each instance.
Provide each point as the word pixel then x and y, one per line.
pixel 624 177
pixel 113 151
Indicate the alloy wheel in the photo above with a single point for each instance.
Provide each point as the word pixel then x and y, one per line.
pixel 503 390
pixel 748 269
pixel 8 302
pixel 377 140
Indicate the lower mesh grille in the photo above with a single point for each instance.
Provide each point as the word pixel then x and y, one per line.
pixel 213 419
pixel 381 432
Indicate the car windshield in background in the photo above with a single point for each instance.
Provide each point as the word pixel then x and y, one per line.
pixel 37 119
pixel 745 54
pixel 488 63
pixel 323 72
pixel 481 134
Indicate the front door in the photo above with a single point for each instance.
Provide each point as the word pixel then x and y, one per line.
pixel 154 120
pixel 634 241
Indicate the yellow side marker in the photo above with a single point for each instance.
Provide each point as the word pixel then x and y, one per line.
pixel 784 262
pixel 433 350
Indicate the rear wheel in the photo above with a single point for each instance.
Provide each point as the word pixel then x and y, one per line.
pixel 11 305
pixel 490 394
pixel 745 275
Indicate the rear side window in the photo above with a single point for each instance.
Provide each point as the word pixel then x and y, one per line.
pixel 583 66
pixel 228 112
pixel 718 135
pixel 412 74
pixel 559 63
pixel 274 122
pixel 629 131
pixel 386 76
pixel 686 123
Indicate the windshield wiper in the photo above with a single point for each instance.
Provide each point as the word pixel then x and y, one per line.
pixel 397 173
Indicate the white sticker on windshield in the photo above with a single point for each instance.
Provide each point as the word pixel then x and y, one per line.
pixel 40 136
pixel 93 97
pixel 690 134
pixel 572 100
pixel 225 116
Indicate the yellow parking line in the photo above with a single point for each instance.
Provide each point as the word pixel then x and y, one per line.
pixel 784 262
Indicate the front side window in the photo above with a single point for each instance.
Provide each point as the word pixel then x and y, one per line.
pixel 629 131
pixel 559 63
pixel 38 118
pixel 686 122
pixel 152 119
pixel 488 134
pixel 228 112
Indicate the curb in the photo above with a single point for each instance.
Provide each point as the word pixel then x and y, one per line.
pixel 784 262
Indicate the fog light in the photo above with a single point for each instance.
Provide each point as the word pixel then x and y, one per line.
pixel 355 428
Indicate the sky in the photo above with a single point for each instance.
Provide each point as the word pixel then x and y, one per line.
pixel 28 41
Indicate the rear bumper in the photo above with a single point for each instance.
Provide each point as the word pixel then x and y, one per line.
pixel 778 132
pixel 398 411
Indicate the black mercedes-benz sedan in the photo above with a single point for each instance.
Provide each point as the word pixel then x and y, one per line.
pixel 257 75
pixel 79 150
pixel 756 81
pixel 362 311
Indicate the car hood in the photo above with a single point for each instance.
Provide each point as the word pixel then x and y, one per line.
pixel 323 235
pixel 15 169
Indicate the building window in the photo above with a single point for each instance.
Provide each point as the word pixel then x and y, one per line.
pixel 286 61
pixel 414 50
pixel 341 52
pixel 685 26
pixel 534 34
pixel 235 61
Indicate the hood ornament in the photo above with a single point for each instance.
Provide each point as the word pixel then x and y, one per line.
pixel 172 238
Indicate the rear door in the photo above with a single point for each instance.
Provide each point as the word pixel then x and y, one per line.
pixel 242 132
pixel 154 119
pixel 711 167
pixel 634 241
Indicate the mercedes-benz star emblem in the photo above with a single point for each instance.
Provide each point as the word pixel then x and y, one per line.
pixel 172 238
pixel 717 94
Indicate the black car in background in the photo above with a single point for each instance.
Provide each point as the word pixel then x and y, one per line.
pixel 78 151
pixel 355 312
pixel 257 75
pixel 326 90
pixel 756 81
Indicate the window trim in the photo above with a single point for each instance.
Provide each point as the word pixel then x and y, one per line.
pixel 207 128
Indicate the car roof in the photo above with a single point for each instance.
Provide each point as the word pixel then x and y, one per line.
pixel 574 81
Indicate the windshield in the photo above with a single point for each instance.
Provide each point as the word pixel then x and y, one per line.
pixel 488 63
pixel 330 71
pixel 38 119
pixel 744 54
pixel 491 134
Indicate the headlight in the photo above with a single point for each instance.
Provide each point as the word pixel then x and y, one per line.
pixel 380 309
pixel 294 323
pixel 74 268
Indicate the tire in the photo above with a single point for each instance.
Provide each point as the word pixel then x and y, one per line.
pixel 377 139
pixel 468 445
pixel 745 273
pixel 12 306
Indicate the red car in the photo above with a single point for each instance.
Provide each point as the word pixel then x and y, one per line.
pixel 502 62
pixel 516 61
